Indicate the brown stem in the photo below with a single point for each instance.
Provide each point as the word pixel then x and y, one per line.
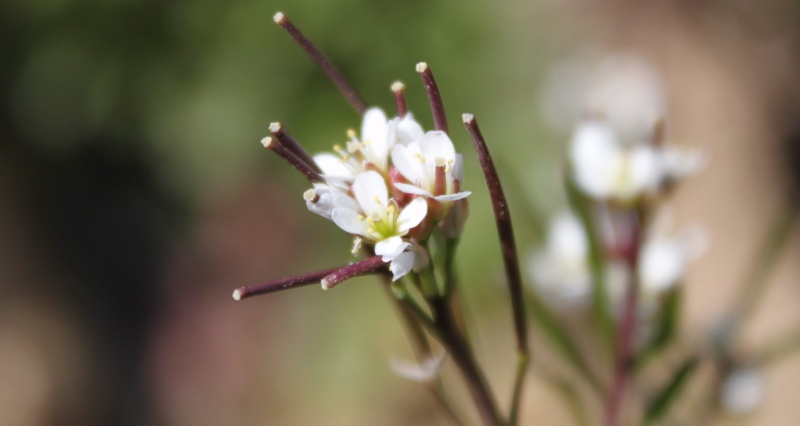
pixel 370 264
pixel 627 331
pixel 435 98
pixel 290 157
pixel 281 284
pixel 399 89
pixel 284 138
pixel 505 231
pixel 459 351
pixel 349 93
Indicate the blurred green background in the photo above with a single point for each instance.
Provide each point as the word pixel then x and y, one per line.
pixel 135 195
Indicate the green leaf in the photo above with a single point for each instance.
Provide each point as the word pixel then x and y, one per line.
pixel 559 337
pixel 666 325
pixel 660 405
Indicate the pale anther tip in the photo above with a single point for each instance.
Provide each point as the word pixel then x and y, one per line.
pixel 279 18
pixel 237 295
pixel 311 196
pixel 422 67
pixel 467 118
pixel 275 127
pixel 398 86
pixel 267 142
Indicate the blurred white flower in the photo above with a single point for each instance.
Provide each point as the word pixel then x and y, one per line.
pixel 742 391
pixel 603 169
pixel 624 89
pixel 424 372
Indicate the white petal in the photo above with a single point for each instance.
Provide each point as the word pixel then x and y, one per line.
pixel 411 189
pixel 371 193
pixel 678 163
pixel 374 131
pixel 424 372
pixel 405 159
pixel 458 168
pixel 452 197
pixel 350 220
pixel 408 130
pixel 596 158
pixel 644 169
pixel 412 215
pixel 437 145
pixel 743 391
pixel 402 264
pixel 390 248
pixel 333 166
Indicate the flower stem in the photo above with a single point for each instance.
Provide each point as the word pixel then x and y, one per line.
pixel 349 93
pixel 435 98
pixel 290 157
pixel 627 330
pixel 421 347
pixel 457 347
pixel 509 250
pixel 281 284
pixel 285 139
pixel 362 267
pixel 399 90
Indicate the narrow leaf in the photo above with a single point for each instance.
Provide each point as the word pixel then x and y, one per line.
pixel 660 405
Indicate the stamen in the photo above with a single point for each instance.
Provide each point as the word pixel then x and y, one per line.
pixel 312 175
pixel 435 98
pixel 285 139
pixel 347 90
pixel 398 88
pixel 351 133
pixel 356 246
pixel 360 218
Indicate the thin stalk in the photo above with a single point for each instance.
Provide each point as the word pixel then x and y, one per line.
pixel 348 91
pixel 779 349
pixel 399 91
pixel 281 284
pixel 290 157
pixel 458 350
pixel 757 281
pixel 509 250
pixel 421 347
pixel 451 289
pixel 435 98
pixel 366 266
pixel 627 330
pixel 284 138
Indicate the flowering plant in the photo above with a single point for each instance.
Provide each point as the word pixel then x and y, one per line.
pixel 397 190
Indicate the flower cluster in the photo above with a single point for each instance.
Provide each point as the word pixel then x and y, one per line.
pixel 561 274
pixel 608 167
pixel 390 187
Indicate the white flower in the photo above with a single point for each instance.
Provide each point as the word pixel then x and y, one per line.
pixel 742 391
pixel 425 371
pixel 378 219
pixel 602 168
pixel 663 261
pixel 432 166
pixel 561 271
pixel 371 152
pixel 677 164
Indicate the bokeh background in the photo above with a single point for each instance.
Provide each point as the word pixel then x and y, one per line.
pixel 135 195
